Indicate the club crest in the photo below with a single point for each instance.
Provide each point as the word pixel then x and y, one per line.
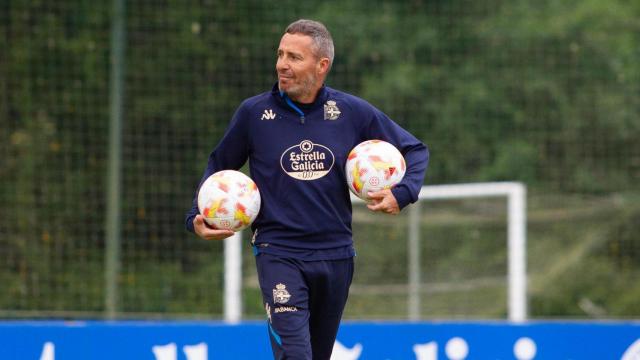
pixel 331 110
pixel 280 294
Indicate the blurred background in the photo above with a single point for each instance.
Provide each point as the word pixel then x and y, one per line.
pixel 546 93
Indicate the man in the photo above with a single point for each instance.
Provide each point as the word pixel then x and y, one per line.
pixel 297 138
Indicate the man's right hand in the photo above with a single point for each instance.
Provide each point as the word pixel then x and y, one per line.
pixel 206 232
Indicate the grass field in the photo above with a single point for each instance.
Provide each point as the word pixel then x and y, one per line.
pixel 583 262
pixel 573 267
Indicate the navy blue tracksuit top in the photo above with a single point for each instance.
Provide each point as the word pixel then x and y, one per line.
pixel 297 154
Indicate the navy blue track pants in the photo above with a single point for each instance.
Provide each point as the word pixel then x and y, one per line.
pixel 304 301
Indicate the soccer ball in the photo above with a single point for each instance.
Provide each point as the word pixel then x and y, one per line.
pixel 229 200
pixel 374 165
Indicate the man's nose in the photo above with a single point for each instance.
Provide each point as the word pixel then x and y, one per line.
pixel 282 64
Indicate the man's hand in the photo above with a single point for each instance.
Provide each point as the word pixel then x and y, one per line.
pixel 206 232
pixel 383 201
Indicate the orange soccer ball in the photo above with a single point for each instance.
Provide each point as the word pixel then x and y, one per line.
pixel 229 200
pixel 374 165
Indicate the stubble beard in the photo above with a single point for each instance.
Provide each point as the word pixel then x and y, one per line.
pixel 303 89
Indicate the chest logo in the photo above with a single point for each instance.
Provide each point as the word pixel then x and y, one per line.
pixel 307 161
pixel 268 115
pixel 331 110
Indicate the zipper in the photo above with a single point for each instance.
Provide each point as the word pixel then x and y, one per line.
pixel 293 106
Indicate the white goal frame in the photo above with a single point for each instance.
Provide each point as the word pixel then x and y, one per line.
pixel 516 242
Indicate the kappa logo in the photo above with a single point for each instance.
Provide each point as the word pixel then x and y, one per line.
pixel 267 308
pixel 268 115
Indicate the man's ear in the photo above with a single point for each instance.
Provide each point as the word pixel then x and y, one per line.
pixel 323 66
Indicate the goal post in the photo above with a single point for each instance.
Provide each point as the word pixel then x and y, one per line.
pixel 515 194
pixel 516 233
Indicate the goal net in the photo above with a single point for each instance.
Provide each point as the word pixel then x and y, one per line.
pixel 459 252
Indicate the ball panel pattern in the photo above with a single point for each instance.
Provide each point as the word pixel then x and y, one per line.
pixel 374 165
pixel 229 200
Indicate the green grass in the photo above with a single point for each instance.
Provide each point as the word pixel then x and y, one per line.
pixel 583 261
pixel 463 249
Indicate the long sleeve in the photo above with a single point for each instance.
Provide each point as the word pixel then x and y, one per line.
pixel 230 154
pixel 416 155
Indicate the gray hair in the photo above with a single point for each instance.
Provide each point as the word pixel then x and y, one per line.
pixel 319 34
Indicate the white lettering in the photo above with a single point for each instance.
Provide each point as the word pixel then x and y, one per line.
pixel 48 351
pixel 170 351
pixel 282 309
pixel 313 156
pixel 165 352
pixel 303 163
pixel 196 352
pixel 307 166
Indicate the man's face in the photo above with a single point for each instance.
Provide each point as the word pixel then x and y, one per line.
pixel 299 69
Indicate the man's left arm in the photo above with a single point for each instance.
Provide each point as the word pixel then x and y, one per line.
pixel 416 155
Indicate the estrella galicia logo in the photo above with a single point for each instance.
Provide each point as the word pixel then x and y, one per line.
pixel 307 161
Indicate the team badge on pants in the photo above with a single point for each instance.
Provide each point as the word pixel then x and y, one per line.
pixel 280 294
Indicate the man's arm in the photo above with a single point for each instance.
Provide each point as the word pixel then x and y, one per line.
pixel 416 155
pixel 230 154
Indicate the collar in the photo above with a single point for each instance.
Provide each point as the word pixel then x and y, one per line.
pixel 320 100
